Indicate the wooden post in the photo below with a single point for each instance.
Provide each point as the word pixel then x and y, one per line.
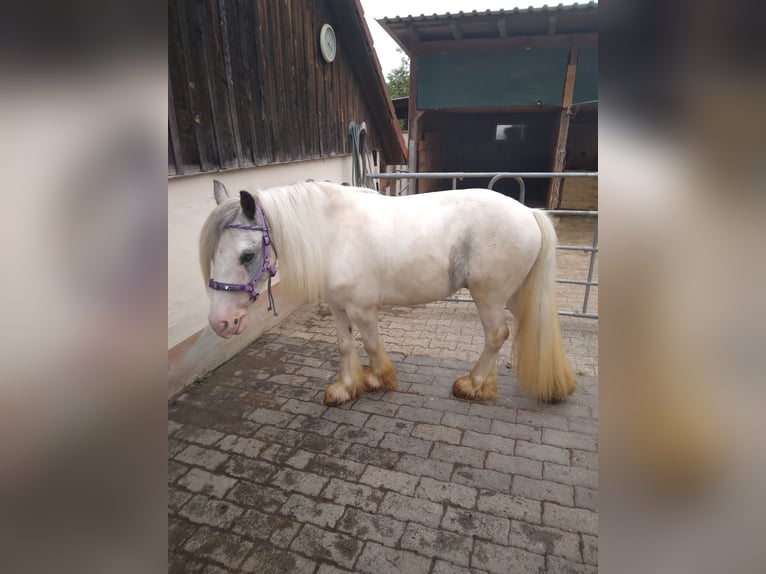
pixel 413 129
pixel 554 192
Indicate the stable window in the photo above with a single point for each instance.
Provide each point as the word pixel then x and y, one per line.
pixel 511 132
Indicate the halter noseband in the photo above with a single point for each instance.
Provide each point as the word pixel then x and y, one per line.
pixel 267 266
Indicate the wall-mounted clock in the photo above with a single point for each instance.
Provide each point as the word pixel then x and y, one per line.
pixel 327 43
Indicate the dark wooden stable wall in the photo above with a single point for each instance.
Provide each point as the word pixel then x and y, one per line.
pixel 465 141
pixel 247 85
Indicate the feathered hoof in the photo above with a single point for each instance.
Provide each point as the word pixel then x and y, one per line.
pixel 385 381
pixel 468 388
pixel 371 381
pixel 338 394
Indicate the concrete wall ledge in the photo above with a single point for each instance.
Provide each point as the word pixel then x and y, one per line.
pixel 204 351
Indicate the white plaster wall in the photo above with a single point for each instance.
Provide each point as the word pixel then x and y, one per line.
pixel 190 200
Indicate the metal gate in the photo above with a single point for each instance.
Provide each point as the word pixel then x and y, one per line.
pixel 519 178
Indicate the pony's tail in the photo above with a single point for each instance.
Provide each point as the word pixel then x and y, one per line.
pixel 543 369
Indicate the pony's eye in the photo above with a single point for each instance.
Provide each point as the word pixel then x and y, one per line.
pixel 246 257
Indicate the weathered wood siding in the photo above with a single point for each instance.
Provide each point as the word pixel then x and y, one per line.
pixel 247 85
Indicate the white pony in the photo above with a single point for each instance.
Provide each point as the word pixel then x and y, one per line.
pixel 358 250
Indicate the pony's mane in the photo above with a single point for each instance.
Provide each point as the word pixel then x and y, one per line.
pixel 211 232
pixel 295 215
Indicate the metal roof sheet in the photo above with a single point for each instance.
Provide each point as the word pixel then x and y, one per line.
pixel 409 31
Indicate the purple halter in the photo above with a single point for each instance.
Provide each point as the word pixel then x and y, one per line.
pixel 267 266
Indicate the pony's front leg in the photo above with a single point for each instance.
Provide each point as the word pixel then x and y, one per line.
pixel 350 376
pixel 381 374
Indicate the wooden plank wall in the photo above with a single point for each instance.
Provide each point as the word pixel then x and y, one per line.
pixel 248 86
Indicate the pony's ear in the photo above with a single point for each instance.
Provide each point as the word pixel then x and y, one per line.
pixel 219 192
pixel 248 204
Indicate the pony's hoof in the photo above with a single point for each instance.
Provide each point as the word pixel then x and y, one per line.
pixel 389 379
pixel 386 381
pixel 371 381
pixel 468 388
pixel 336 395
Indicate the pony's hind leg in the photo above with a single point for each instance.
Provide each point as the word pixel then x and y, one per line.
pixel 350 377
pixel 481 383
pixel 381 374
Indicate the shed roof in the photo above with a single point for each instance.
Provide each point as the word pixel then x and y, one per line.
pixel 411 31
pixel 401 107
pixel 352 29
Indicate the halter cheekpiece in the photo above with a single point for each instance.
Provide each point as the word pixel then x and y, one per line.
pixel 267 266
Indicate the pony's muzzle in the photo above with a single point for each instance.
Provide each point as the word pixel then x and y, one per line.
pixel 233 325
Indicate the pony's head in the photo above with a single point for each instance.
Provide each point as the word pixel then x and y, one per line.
pixel 234 245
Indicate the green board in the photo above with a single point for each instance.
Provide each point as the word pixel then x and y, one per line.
pixel 586 81
pixel 521 77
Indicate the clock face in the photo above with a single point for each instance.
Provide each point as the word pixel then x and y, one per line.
pixel 327 43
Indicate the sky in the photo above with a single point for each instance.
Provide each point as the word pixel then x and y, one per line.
pixel 385 46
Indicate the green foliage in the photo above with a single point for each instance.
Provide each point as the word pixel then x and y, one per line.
pixel 398 80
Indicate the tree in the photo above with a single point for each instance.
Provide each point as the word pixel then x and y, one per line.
pixel 398 79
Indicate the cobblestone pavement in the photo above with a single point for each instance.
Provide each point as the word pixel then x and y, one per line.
pixel 443 330
pixel 264 478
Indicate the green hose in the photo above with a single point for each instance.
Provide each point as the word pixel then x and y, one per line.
pixel 359 163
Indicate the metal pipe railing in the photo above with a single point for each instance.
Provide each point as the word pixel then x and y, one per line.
pixel 577 282
pixel 576 248
pixel 519 180
pixel 571 212
pixel 590 270
pixel 482 174
pixel 577 314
